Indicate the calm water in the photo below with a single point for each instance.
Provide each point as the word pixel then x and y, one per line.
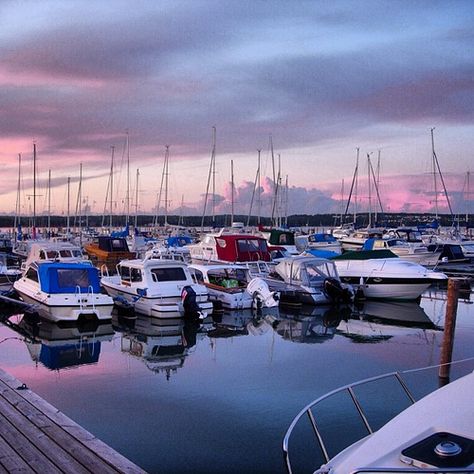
pixel 214 398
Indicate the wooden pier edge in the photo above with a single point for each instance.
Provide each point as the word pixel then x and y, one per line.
pixel 116 461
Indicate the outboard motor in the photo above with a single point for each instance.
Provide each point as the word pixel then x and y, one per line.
pixel 190 306
pixel 335 291
pixel 261 294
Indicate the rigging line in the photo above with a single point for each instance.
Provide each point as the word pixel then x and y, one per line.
pixel 376 187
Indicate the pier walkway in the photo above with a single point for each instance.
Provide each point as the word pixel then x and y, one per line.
pixel 37 438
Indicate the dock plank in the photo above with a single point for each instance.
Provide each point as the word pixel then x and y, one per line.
pixel 37 437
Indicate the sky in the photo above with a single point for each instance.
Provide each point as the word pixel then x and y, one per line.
pixel 323 81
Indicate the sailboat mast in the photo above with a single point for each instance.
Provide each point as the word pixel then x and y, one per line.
pixel 356 195
pixel 68 205
pixel 259 190
pixel 167 157
pixel 436 163
pixel 136 199
pixel 49 203
pixel 111 187
pixel 17 222
pixel 34 191
pixel 128 180
pixel 232 192
pixel 435 183
pixel 211 168
pixel 369 164
pixel 214 176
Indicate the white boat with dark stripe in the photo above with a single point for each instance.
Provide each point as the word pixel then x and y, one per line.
pixel 381 274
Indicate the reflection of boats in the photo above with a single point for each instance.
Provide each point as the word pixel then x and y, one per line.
pixel 66 346
pixel 380 322
pixel 434 434
pixel 400 313
pixel 64 291
pixel 315 325
pixel 162 344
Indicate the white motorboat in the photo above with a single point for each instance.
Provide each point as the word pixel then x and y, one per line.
pixel 233 287
pixel 410 251
pixel 230 246
pixel 308 280
pixel 8 273
pixel 318 241
pixel 57 251
pixel 157 287
pixel 64 291
pixel 356 239
pixel 381 274
pixel 434 434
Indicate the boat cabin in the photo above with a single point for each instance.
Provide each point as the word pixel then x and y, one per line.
pixel 62 277
pixel 231 248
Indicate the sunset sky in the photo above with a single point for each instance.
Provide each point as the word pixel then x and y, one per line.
pixel 322 78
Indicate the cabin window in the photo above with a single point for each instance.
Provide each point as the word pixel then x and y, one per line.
pixel 169 274
pixel 32 274
pixel 251 245
pixel 117 244
pixel 221 242
pixel 68 278
pixel 197 275
pixel 51 254
pixel 282 239
pixel 42 255
pixel 124 273
pixel 135 274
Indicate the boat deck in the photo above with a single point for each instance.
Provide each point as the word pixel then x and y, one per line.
pixel 37 438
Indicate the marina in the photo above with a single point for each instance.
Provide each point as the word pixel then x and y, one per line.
pixel 218 394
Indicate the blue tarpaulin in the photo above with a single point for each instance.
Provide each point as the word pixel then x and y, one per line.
pixel 60 277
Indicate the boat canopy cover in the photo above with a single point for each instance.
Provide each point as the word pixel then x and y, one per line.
pixel 281 237
pixel 329 254
pixel 113 244
pixel 321 237
pixel 366 255
pixel 178 241
pixel 305 270
pixel 60 277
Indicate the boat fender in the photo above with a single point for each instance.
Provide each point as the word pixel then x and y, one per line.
pixel 190 306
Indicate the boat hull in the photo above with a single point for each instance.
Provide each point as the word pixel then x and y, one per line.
pixel 60 311
pixel 158 306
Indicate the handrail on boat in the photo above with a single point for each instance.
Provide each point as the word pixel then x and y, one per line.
pixel 415 470
pixel 349 388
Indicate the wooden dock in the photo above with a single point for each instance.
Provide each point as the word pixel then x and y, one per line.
pixel 35 437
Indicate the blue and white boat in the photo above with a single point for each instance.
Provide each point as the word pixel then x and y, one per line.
pixel 64 291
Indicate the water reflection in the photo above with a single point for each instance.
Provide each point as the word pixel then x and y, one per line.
pixel 61 346
pixel 162 344
pixel 310 324
pixel 376 321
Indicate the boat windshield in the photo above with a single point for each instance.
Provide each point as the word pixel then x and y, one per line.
pixel 168 274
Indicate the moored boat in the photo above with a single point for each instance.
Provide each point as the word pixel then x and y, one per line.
pixel 232 286
pixel 157 287
pixel 308 280
pixel 64 291
pixel 381 274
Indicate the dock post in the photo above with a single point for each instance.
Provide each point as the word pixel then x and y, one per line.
pixel 449 328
